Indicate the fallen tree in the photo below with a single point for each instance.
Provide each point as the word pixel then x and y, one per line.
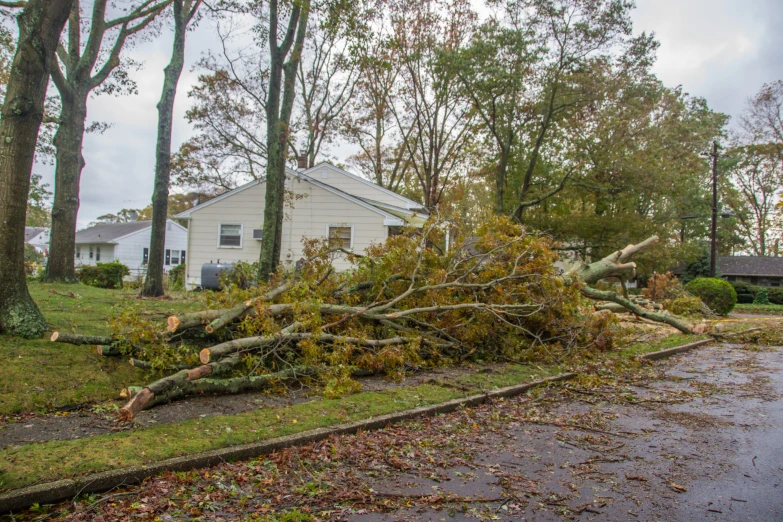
pixel 406 304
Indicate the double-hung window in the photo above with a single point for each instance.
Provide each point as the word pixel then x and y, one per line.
pixel 341 235
pixel 230 235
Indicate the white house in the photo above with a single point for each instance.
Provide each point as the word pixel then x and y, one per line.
pixel 38 237
pixel 328 202
pixel 129 243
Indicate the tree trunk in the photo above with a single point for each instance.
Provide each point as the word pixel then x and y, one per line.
pixel 67 176
pixel 278 128
pixel 153 282
pixel 40 25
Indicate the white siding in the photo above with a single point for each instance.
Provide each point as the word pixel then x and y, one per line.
pixel 107 253
pixel 129 250
pixel 330 175
pixel 309 217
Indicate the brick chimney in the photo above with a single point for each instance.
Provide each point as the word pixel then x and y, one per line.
pixel 301 162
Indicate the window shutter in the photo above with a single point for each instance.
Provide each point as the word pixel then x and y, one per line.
pixel 168 256
pixel 146 256
pixel 182 258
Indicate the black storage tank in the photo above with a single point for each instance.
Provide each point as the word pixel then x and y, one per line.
pixel 210 273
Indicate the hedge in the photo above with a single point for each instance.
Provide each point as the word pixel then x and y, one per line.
pixel 718 294
pixel 103 275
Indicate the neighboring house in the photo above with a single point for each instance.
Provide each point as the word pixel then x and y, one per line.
pixel 762 271
pixel 129 243
pixel 38 237
pixel 327 202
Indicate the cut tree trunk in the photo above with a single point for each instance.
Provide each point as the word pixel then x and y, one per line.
pixel 81 339
pixel 40 24
pixel 604 295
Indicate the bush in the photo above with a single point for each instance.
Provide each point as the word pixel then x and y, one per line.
pixel 684 306
pixel 761 297
pixel 242 275
pixel 718 294
pixel 775 295
pixel 177 277
pixel 746 292
pixel 103 275
pixel 666 287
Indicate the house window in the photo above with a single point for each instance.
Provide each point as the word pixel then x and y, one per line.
pixel 230 235
pixel 343 234
pixel 91 252
pixel 78 252
pixel 145 256
pixel 175 257
pixel 97 253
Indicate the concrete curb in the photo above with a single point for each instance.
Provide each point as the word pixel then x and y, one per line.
pixel 668 352
pixel 52 492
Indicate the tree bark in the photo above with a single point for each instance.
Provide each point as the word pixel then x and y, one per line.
pixel 81 339
pixel 67 177
pixel 153 281
pixel 40 25
pixel 282 82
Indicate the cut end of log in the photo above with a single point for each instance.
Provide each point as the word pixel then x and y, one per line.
pixel 99 349
pixel 173 323
pixel 137 403
pixel 54 336
pixel 203 356
pixel 209 329
pixel 132 363
pixel 249 303
pixel 125 393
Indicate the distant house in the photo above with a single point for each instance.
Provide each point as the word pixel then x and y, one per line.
pixel 328 202
pixel 762 271
pixel 38 237
pixel 128 243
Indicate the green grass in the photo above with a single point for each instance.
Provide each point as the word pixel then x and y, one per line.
pixel 661 344
pixel 39 375
pixel 33 463
pixel 770 309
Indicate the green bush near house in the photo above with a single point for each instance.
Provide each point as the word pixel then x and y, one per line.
pixel 686 305
pixel 761 297
pixel 746 292
pixel 103 275
pixel 718 294
pixel 177 277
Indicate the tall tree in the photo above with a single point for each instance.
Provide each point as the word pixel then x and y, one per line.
pixel 184 12
pixel 40 24
pixel 84 67
pixel 284 57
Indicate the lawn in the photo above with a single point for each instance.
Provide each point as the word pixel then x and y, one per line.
pixel 39 375
pixel 755 309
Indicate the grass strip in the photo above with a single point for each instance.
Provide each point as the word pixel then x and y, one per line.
pixel 42 462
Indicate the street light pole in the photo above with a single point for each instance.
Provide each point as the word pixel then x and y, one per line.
pixel 714 227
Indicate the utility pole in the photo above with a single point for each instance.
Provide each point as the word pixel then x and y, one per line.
pixel 714 227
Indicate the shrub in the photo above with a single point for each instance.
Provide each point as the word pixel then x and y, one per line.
pixel 177 277
pixel 664 286
pixel 718 294
pixel 103 275
pixel 242 275
pixel 746 292
pixel 761 297
pixel 686 305
pixel 775 295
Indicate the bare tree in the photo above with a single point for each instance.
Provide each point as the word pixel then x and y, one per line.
pixel 184 12
pixel 89 61
pixel 40 24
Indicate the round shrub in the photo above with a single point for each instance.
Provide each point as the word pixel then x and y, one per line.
pixel 684 306
pixel 718 294
pixel 103 275
pixel 775 295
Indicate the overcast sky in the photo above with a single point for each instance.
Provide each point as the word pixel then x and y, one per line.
pixel 722 50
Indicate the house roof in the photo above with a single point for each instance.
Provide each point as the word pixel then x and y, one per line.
pixel 750 266
pixel 32 232
pixel 409 204
pixel 392 213
pixel 110 232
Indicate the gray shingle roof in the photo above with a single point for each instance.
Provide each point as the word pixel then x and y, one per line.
pixel 31 232
pixel 750 266
pixel 108 232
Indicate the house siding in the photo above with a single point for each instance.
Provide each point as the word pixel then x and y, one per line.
pixel 313 211
pixel 129 250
